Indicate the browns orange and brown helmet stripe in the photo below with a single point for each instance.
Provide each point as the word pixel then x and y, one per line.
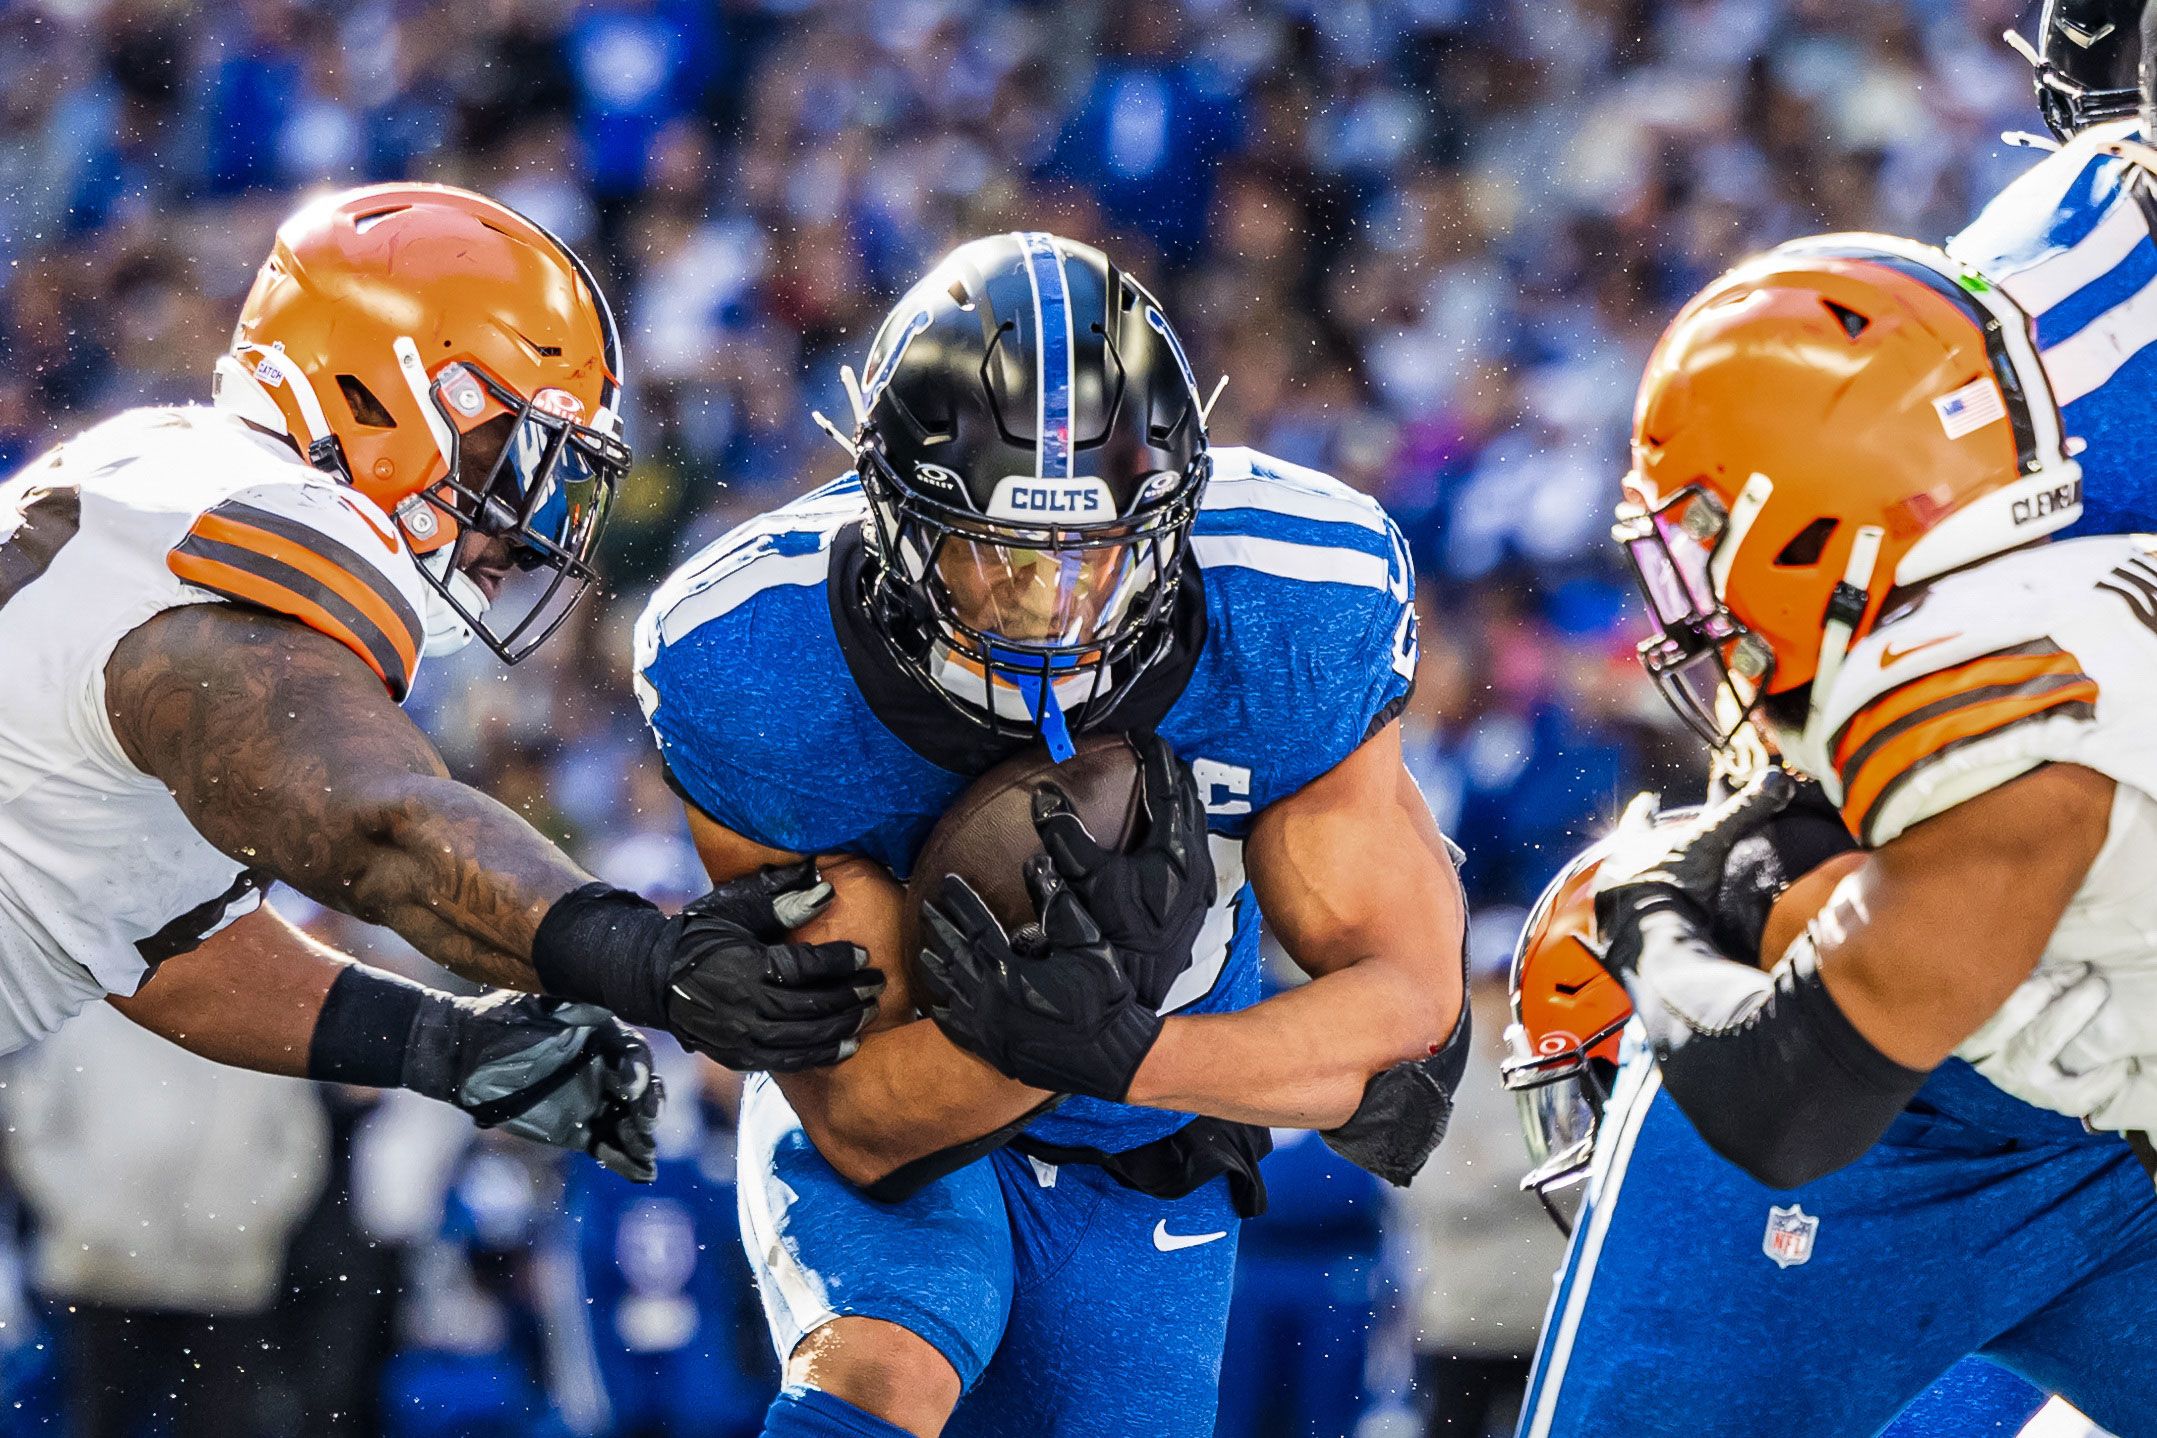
pixel 1899 734
pixel 259 557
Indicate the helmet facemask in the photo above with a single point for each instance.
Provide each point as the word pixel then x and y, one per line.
pixel 546 491
pixel 1561 1095
pixel 1027 627
pixel 1711 669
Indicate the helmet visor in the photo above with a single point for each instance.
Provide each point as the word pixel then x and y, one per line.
pixel 546 493
pixel 1036 590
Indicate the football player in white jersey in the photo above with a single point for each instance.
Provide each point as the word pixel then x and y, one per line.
pixel 1847 463
pixel 209 617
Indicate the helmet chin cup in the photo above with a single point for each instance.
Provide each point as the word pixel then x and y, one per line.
pixel 451 606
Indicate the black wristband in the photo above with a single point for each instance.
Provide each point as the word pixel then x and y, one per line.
pixel 606 946
pixel 365 1028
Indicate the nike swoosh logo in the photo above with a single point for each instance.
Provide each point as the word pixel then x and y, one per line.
pixel 1889 654
pixel 1169 1242
pixel 388 537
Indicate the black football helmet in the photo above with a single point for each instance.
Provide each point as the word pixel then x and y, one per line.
pixel 1033 449
pixel 2087 62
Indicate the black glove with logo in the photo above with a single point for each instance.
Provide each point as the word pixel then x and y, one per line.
pixel 720 976
pixel 1151 902
pixel 1049 1005
pixel 564 1074
pixel 1790 845
pixel 1684 874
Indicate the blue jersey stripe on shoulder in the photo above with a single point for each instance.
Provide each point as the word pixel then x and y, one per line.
pixel 2121 283
pixel 2051 209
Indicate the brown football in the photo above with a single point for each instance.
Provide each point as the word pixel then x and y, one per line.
pixel 987 834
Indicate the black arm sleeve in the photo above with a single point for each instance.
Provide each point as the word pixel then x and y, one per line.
pixel 1766 1066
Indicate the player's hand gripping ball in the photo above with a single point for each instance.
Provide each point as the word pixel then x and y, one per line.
pixel 1151 900
pixel 1048 1005
pixel 985 953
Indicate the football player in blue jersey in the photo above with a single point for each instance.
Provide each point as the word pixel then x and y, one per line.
pixel 1038 540
pixel 2071 242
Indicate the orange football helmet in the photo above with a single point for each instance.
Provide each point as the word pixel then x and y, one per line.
pixel 398 331
pixel 1836 419
pixel 1568 1014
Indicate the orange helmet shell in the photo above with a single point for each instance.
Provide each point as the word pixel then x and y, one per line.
pixel 1844 385
pixel 460 277
pixel 1563 1000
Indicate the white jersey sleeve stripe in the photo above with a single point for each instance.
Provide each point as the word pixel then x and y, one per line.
pixel 1248 491
pixel 2045 282
pixel 727 587
pixel 1311 563
pixel 2082 364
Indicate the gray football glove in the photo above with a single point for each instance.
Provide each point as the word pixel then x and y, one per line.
pixel 565 1074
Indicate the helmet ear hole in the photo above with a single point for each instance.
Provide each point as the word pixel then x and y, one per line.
pixel 1809 543
pixel 1853 324
pixel 366 409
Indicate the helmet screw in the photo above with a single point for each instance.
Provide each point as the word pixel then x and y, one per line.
pixel 384 468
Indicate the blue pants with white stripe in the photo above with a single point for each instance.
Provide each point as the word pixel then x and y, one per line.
pixel 1068 1304
pixel 1694 1300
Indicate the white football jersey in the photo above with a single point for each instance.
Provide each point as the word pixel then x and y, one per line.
pixel 2044 655
pixel 101 876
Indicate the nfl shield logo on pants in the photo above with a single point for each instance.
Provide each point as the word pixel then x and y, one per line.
pixel 1790 1234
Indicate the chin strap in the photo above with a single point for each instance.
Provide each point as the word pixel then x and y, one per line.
pixel 1845 611
pixel 447 630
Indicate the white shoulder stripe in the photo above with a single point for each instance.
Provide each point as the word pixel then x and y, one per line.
pixel 1312 563
pixel 2083 363
pixel 725 588
pixel 2050 279
pixel 1251 491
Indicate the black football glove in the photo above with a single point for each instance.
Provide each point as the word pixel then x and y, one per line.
pixel 720 976
pixel 1685 872
pixel 1050 1005
pixel 1151 902
pixel 1790 845
pixel 737 990
pixel 565 1074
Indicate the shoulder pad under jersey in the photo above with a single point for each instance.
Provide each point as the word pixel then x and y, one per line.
pixel 1946 699
pixel 321 554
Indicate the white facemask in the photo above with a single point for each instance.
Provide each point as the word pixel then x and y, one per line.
pixel 447 630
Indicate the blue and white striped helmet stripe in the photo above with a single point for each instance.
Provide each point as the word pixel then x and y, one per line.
pixel 1052 323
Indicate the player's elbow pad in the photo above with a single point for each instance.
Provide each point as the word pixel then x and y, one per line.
pixel 1773 1075
pixel 1405 1109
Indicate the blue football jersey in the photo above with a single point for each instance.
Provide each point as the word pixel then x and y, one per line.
pixel 2070 243
pixel 775 719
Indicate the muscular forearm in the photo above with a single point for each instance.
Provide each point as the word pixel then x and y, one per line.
pixel 908 1094
pixel 249 996
pixel 459 876
pixel 283 751
pixel 1301 1059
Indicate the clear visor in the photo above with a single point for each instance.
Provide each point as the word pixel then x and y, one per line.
pixel 1560 1106
pixel 1035 590
pixel 1556 1113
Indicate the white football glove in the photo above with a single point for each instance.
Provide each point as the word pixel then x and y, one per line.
pixel 2062 1042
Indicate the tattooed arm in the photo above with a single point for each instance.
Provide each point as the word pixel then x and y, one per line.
pixel 284 751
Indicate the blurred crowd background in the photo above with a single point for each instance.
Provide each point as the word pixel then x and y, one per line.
pixel 1430 242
